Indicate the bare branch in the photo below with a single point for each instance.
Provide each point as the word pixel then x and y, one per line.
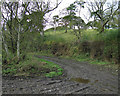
pixel 53 8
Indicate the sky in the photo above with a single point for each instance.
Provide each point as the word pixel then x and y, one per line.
pixel 84 12
pixel 65 3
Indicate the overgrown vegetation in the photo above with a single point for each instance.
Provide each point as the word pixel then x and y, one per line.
pixel 33 66
pixel 23 33
pixel 93 47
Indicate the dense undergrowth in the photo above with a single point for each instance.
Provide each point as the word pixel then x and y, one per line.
pixel 100 49
pixel 32 66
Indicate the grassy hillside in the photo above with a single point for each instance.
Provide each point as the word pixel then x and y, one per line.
pixel 101 49
pixel 60 36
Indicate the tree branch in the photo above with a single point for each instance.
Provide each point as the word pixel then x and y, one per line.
pixel 53 8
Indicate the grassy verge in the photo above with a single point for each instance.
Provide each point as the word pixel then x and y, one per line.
pixel 83 58
pixel 33 66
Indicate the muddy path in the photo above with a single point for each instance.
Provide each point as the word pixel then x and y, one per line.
pixel 80 78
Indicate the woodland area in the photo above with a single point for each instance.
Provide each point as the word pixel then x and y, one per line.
pixel 24 34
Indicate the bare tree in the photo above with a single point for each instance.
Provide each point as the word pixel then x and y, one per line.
pixel 8 11
pixel 42 8
pixel 80 24
pixel 56 19
pixel 101 14
pixel 19 20
pixel 13 15
pixel 66 20
pixel 4 42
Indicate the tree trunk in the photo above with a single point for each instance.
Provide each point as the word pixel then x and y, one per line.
pixel 55 27
pixel 75 32
pixel 79 33
pixel 118 37
pixel 42 33
pixel 102 28
pixel 5 45
pixel 79 30
pixel 3 40
pixel 10 29
pixel 18 43
pixel 66 29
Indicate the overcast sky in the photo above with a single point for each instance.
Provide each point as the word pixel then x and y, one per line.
pixel 65 3
pixel 84 12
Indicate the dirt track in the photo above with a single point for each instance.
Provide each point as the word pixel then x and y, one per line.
pixel 82 78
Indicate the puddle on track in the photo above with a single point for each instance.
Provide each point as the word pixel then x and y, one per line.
pixel 80 80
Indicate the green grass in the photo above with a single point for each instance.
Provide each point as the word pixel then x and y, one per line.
pixel 93 35
pixel 90 35
pixel 53 73
pixel 60 36
pixel 87 35
pixel 33 66
pixel 99 62
pixel 84 58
